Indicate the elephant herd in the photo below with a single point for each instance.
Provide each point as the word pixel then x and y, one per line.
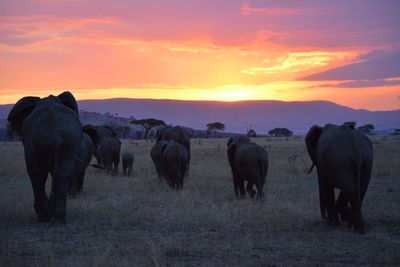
pixel 55 142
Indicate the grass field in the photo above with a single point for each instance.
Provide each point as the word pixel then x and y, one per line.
pixel 138 221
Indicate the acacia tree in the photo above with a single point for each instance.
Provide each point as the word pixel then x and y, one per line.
pixel 366 129
pixel 280 132
pixel 251 133
pixel 148 124
pixel 213 127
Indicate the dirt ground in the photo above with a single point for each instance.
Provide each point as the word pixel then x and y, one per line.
pixel 138 221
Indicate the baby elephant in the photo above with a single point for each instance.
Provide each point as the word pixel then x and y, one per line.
pixel 174 161
pixel 249 162
pixel 127 162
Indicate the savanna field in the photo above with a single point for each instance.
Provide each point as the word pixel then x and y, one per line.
pixel 138 221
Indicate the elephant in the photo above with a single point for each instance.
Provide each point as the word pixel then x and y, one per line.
pixel 156 158
pixel 127 162
pixel 83 161
pixel 249 162
pixel 174 161
pixel 51 135
pixel 108 153
pixel 177 134
pixel 98 134
pixel 343 157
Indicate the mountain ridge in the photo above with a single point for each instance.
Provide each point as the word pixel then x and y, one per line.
pixel 239 116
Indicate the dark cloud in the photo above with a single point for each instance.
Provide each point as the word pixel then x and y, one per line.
pixel 376 65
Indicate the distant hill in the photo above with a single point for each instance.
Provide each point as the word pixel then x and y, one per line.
pixel 262 116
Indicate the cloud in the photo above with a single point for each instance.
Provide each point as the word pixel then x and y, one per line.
pixel 246 9
pixel 22 30
pixel 296 62
pixel 378 65
pixel 363 84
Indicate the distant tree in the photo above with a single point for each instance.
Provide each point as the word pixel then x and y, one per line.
pixel 10 134
pixel 138 134
pixel 396 132
pixel 148 124
pixel 213 127
pixel 251 133
pixel 277 132
pixel 366 129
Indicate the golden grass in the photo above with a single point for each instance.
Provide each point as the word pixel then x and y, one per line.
pixel 139 221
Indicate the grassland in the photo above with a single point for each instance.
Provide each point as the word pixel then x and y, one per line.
pixel 137 221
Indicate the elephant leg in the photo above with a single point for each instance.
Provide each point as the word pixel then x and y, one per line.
pixel 322 195
pixel 364 179
pixel 80 184
pixel 61 179
pixel 241 187
pixel 330 205
pixel 260 194
pixel 41 203
pixel 250 190
pixel 235 185
pixel 74 184
pixel 344 209
pixel 355 203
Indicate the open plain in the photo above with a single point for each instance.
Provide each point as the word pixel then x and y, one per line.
pixel 138 221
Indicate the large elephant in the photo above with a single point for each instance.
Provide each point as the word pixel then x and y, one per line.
pixel 82 162
pixel 156 158
pixel 343 157
pixel 51 134
pixel 174 161
pixel 109 153
pixel 177 134
pixel 249 162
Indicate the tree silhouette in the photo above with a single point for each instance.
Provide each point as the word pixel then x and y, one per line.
pixel 251 133
pixel 280 132
pixel 366 129
pixel 148 124
pixel 213 127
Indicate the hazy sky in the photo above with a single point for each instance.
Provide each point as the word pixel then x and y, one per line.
pixel 345 51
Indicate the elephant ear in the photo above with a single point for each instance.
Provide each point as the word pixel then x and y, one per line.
pixel 311 142
pixel 114 134
pixel 232 147
pixel 20 111
pixel 69 100
pixel 163 147
pixel 92 132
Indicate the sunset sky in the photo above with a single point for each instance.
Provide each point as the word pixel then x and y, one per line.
pixel 345 51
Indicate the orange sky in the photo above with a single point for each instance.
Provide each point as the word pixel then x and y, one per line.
pixel 231 50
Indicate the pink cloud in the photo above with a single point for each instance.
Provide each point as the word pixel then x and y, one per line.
pixel 246 9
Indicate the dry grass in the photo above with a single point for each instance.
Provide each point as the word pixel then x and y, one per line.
pixel 138 221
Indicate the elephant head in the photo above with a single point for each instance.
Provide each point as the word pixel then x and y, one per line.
pixel 27 104
pixel 91 131
pixel 233 143
pixel 311 142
